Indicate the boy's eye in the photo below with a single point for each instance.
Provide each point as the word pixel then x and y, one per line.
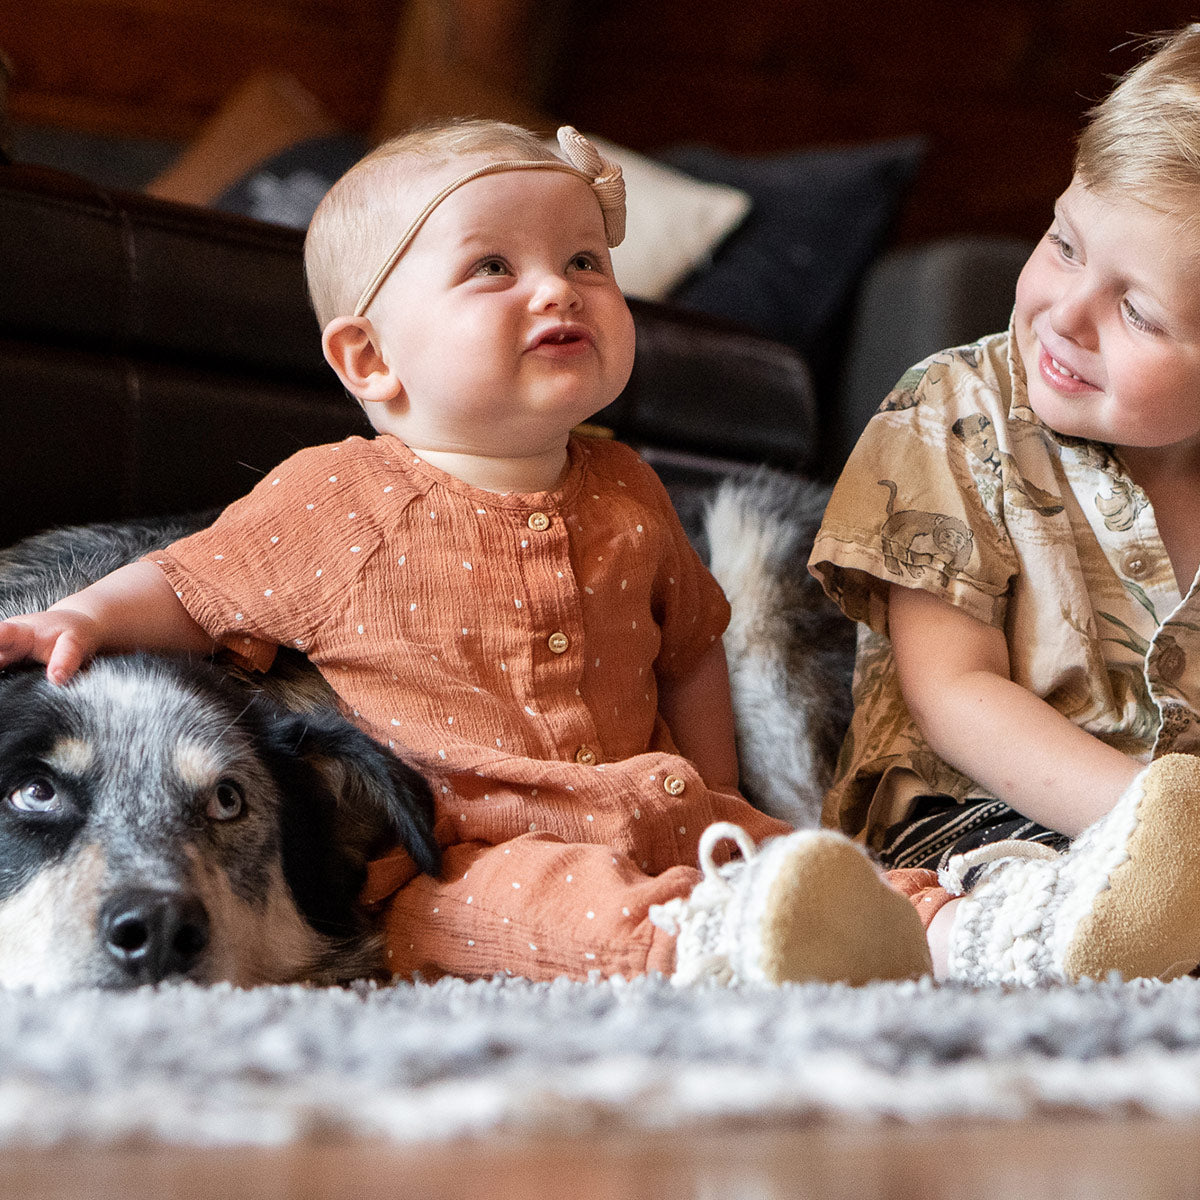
pixel 492 267
pixel 1136 319
pixel 1064 247
pixel 584 262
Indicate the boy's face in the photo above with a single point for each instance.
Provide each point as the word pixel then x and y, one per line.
pixel 502 321
pixel 1108 324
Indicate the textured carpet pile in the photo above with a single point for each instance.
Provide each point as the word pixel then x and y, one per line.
pixel 215 1066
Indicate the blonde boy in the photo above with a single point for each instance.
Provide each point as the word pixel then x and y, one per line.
pixel 1019 533
pixel 516 606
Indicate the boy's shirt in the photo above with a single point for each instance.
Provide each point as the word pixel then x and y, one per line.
pixel 958 488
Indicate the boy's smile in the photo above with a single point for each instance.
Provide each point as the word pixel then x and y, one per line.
pixel 1107 324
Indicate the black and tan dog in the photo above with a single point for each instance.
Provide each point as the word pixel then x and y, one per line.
pixel 160 817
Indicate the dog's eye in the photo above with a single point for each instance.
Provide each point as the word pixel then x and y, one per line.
pixel 226 802
pixel 36 796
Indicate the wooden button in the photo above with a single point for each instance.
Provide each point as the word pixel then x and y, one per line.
pixel 1134 564
pixel 585 756
pixel 558 642
pixel 539 522
pixel 673 785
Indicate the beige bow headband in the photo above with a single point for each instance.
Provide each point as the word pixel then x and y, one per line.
pixel 603 175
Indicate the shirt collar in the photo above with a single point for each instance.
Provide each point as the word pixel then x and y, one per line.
pixel 1018 407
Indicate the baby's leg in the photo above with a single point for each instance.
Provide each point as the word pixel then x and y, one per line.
pixel 541 906
pixel 806 907
pixel 536 907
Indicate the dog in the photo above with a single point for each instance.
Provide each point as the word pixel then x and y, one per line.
pixel 790 649
pixel 170 818
pixel 162 818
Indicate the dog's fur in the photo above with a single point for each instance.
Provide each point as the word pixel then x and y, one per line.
pixel 790 651
pixel 162 817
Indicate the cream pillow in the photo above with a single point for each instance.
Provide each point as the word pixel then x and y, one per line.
pixel 673 222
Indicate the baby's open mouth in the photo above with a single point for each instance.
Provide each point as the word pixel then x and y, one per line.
pixel 564 336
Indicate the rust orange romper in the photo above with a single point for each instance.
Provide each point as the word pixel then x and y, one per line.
pixel 515 645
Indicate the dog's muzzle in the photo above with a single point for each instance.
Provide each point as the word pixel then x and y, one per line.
pixel 151 935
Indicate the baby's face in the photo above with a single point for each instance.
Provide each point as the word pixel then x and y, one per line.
pixel 503 320
pixel 1108 323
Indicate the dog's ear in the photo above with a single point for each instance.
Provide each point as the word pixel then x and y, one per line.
pixel 379 799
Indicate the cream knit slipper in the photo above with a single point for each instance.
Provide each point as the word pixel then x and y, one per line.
pixel 809 906
pixel 1124 897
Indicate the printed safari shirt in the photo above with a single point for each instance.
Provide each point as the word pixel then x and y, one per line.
pixel 958 488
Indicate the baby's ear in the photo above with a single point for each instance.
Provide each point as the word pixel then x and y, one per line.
pixel 352 350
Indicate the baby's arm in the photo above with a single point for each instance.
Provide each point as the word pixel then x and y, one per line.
pixel 698 710
pixel 954 674
pixel 134 608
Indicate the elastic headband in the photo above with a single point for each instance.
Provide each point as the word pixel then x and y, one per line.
pixel 585 161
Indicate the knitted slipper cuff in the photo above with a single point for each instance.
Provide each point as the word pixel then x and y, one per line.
pixel 1019 921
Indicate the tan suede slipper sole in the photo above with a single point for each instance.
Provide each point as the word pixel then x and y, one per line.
pixel 1146 923
pixel 828 915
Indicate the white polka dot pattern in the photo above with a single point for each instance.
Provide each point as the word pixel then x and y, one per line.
pixel 429 607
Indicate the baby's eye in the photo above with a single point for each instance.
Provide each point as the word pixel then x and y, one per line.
pixel 492 268
pixel 584 262
pixel 1064 247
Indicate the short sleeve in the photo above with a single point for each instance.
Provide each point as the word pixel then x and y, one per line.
pixel 689 606
pixel 279 563
pixel 913 507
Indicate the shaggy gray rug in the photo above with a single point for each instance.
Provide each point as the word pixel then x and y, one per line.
pixel 189 1065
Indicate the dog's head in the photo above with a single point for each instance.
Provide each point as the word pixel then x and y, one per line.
pixel 157 819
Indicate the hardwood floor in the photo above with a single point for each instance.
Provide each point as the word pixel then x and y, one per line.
pixel 1057 1160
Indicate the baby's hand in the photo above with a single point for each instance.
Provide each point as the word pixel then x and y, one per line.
pixel 63 639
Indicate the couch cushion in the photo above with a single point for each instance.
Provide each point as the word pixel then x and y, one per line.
pixel 819 218
pixel 287 187
pixel 117 270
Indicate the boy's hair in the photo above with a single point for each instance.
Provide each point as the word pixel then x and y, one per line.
pixel 356 225
pixel 1143 139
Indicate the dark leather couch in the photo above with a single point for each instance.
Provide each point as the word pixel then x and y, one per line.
pixel 158 358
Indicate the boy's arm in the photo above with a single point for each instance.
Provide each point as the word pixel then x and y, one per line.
pixel 698 710
pixel 134 608
pixel 954 674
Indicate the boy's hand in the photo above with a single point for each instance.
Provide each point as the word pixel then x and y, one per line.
pixel 63 639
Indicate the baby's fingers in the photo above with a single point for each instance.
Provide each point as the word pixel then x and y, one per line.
pixel 16 642
pixel 62 641
pixel 67 655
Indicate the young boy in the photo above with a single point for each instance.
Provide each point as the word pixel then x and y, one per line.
pixel 1018 532
pixel 516 607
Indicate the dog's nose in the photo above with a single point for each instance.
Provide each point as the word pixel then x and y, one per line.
pixel 153 934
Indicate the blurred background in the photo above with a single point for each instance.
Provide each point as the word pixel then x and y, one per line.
pixel 858 181
pixel 996 88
